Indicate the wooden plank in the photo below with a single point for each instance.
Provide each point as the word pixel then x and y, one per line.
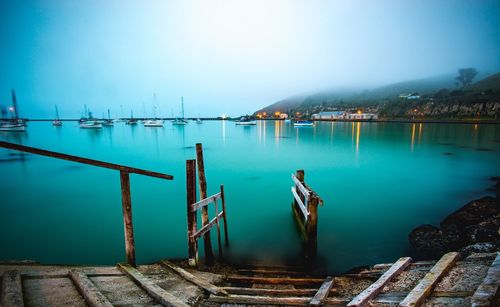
pixel 270 272
pixel 209 257
pixel 260 300
pixel 12 291
pixel 62 156
pixel 127 218
pixel 223 200
pixel 274 280
pixel 323 292
pixel 424 288
pixel 373 290
pixel 205 202
pixel 93 297
pixel 266 300
pixel 488 290
pixel 270 292
pixel 300 204
pixel 203 230
pixel 156 292
pixel 198 281
pixel 301 186
pixel 191 216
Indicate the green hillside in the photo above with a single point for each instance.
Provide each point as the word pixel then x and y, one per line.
pixel 435 91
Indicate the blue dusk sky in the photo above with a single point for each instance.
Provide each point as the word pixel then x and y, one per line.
pixel 228 57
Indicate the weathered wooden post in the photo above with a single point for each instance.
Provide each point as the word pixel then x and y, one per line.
pixel 191 214
pixel 127 218
pixel 312 225
pixel 223 199
pixel 204 211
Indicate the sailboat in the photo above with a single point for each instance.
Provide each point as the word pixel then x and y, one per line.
pixel 107 122
pixel 180 121
pixel 14 124
pixel 90 122
pixel 132 120
pixel 153 122
pixel 57 122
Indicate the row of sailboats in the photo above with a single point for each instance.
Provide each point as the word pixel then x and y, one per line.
pixel 12 122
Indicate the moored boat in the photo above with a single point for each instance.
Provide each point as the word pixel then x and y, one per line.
pixel 246 121
pixel 131 120
pixel 180 121
pixel 108 122
pixel 13 124
pixel 90 124
pixel 57 122
pixel 153 123
pixel 303 123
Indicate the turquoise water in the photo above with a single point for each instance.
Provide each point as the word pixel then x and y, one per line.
pixel 377 180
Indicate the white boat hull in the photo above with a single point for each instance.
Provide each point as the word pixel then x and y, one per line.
pixel 153 123
pixel 13 128
pixel 251 123
pixel 90 125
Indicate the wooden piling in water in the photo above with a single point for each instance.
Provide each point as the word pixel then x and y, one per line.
pixel 204 212
pixel 127 218
pixel 305 209
pixel 223 199
pixel 191 214
pixel 312 225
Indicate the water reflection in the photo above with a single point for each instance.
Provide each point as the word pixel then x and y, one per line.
pixel 412 137
pixel 224 132
pixel 357 137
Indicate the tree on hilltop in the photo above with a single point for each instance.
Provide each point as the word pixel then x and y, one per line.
pixel 465 76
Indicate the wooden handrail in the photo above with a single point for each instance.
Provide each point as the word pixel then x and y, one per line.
pixel 98 163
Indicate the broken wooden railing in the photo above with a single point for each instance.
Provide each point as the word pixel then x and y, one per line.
pixel 124 182
pixel 193 206
pixel 305 208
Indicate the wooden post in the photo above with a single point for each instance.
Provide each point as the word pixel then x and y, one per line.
pixel 312 224
pixel 204 211
pixel 191 214
pixel 219 244
pixel 127 218
pixel 223 199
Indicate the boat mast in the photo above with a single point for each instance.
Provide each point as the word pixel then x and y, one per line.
pixel 14 102
pixel 57 113
pixel 109 116
pixel 131 114
pixel 182 106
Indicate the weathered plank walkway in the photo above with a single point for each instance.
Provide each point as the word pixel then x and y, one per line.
pixel 450 281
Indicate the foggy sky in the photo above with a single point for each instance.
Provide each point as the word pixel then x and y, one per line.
pixel 230 57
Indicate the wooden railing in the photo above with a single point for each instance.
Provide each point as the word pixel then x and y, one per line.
pixel 194 206
pixel 124 181
pixel 305 208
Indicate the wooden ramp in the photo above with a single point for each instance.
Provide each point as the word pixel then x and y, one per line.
pixel 450 281
pixel 447 282
pixel 148 285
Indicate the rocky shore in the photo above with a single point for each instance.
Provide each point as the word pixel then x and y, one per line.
pixel 473 228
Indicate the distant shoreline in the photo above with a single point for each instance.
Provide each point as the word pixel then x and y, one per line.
pixel 402 120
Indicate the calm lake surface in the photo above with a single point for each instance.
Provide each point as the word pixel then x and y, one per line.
pixel 378 181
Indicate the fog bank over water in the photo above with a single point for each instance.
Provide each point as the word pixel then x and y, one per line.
pixel 228 57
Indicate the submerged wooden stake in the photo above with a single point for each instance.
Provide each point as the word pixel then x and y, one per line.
pixel 209 257
pixel 191 214
pixel 127 218
pixel 223 199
